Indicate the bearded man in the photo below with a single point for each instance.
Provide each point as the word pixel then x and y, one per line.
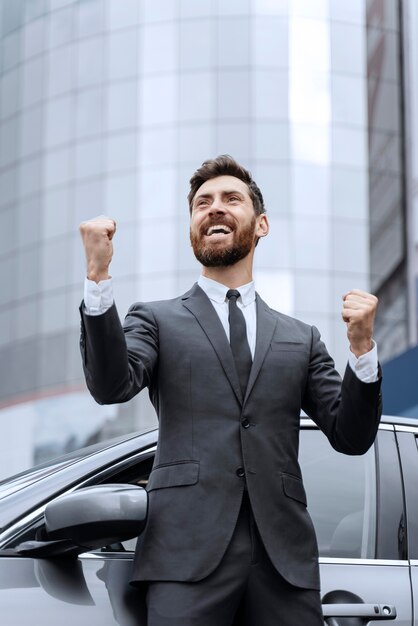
pixel 228 538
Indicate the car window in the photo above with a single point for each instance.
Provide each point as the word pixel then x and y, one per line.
pixel 391 542
pixel 341 493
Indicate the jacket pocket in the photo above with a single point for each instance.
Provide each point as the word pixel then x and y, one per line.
pixel 293 488
pixel 288 346
pixel 176 474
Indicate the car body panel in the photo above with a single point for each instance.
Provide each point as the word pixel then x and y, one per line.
pixel 384 583
pixel 81 592
pixel 414 585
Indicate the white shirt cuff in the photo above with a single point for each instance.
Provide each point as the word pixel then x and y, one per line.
pixel 365 366
pixel 98 297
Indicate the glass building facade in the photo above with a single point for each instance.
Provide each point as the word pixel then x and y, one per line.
pixel 387 181
pixel 107 107
pixel 410 26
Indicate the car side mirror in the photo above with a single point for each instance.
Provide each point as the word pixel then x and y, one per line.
pixel 89 518
pixel 96 516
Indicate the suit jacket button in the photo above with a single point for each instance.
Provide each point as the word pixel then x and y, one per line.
pixel 245 423
pixel 240 472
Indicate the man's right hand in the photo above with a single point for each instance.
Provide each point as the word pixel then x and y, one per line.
pixel 97 235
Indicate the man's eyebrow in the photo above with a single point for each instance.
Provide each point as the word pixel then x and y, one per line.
pixel 202 195
pixel 225 192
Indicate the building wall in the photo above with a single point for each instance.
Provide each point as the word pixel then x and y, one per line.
pixel 107 107
pixel 388 208
pixel 410 55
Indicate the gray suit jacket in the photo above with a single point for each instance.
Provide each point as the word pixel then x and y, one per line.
pixel 208 431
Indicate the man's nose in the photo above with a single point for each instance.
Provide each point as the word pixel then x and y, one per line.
pixel 217 207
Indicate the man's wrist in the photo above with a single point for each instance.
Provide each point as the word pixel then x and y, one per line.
pixel 97 275
pixel 362 348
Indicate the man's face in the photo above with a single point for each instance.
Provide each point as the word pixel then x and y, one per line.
pixel 223 225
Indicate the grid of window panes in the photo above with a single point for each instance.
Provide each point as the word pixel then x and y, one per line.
pixel 107 107
pixel 388 240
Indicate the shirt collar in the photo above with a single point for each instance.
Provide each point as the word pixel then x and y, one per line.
pixel 217 292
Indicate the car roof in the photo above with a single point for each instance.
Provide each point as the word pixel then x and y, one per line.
pixel 401 421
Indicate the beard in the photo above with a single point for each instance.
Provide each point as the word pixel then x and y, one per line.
pixel 216 255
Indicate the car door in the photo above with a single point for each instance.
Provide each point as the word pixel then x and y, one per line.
pixel 357 508
pixel 407 436
pixel 84 591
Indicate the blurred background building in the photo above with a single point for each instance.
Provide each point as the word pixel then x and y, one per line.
pixel 108 106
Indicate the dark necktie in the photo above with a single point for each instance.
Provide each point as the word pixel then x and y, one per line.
pixel 238 340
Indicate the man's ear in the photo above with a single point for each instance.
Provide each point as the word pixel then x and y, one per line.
pixel 262 227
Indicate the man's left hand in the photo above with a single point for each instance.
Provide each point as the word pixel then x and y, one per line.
pixel 359 310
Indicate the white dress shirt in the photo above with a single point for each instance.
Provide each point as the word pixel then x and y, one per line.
pixel 98 298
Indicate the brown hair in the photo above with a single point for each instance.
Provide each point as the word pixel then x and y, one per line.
pixel 225 165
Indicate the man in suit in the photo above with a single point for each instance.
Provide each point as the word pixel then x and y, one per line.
pixel 228 538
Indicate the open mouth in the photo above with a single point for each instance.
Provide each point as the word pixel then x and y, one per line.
pixel 218 229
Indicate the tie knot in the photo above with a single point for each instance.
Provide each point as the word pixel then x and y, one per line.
pixel 233 293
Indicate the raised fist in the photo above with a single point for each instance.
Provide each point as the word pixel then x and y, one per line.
pixel 97 235
pixel 359 310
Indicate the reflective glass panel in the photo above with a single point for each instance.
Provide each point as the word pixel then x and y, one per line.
pixel 90 62
pixel 234 93
pixel 158 50
pixel 233 43
pixel 33 81
pixel 9 93
pixel 271 42
pixel 121 14
pixel 196 96
pixel 59 116
pixel 89 158
pixel 61 26
pixel 270 94
pixel 350 241
pixel 89 112
pixel 122 54
pixel 31 131
pixel 60 70
pixel 196 43
pixel 120 197
pixel 121 152
pixel 122 105
pixel 158 99
pixel 341 493
pixel 34 38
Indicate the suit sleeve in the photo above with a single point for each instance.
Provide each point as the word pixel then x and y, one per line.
pixel 347 411
pixel 118 360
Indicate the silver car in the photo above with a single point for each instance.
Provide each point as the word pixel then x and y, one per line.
pixel 68 530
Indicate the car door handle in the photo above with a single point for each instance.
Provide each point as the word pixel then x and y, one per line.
pixel 363 611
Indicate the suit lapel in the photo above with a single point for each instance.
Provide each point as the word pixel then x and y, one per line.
pixel 266 324
pixel 197 302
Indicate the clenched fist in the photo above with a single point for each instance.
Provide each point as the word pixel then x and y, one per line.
pixel 359 310
pixel 97 235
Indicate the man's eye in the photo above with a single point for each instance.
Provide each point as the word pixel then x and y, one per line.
pixel 234 198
